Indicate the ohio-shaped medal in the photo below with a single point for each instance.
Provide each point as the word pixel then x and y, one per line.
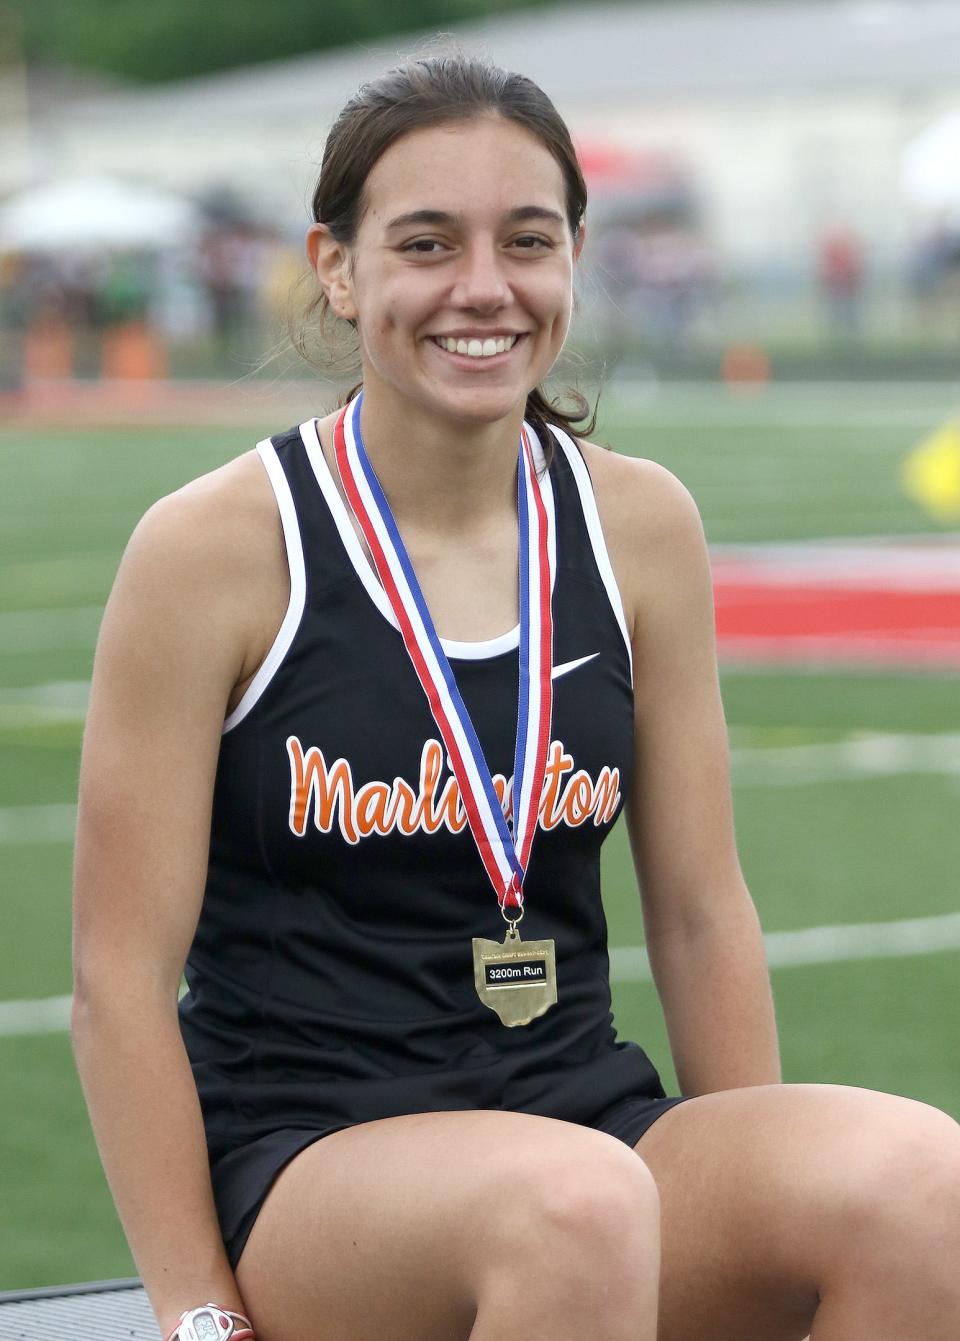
pixel 517 979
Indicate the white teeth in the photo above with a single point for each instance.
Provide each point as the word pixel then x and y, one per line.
pixel 477 349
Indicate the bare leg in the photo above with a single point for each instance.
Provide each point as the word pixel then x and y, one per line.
pixel 484 1225
pixel 807 1208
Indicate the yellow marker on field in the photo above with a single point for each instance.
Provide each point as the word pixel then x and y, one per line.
pixel 931 473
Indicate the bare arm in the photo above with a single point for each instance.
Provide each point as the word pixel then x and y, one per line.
pixel 173 644
pixel 703 935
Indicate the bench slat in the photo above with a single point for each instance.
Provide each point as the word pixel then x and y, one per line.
pixel 96 1311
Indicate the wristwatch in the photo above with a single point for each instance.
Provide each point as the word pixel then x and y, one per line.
pixel 210 1322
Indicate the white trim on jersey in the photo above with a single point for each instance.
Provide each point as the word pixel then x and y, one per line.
pixel 456 651
pixel 546 493
pixel 298 586
pixel 591 516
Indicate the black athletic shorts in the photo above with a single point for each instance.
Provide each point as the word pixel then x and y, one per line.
pixel 242 1179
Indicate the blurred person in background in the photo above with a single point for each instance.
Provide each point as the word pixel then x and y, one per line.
pixel 671 275
pixel 840 273
pixel 45 308
pixel 933 273
pixel 124 288
pixel 234 258
pixel 289 790
pixel 657 271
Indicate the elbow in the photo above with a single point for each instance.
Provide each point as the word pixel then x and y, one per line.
pixel 89 996
pixel 723 912
pixel 81 1009
pixel 84 1014
pixel 79 1002
pixel 104 1004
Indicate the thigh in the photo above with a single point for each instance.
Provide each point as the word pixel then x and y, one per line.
pixel 390 1228
pixel 760 1193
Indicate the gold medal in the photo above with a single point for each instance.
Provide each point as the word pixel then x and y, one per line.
pixel 517 979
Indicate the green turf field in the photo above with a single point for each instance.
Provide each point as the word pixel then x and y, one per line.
pixel 836 846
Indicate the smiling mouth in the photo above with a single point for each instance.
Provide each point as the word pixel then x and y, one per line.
pixel 477 349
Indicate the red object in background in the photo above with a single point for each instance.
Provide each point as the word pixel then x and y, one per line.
pixel 840 261
pixel 770 612
pixel 615 167
pixel 745 367
pixel 133 352
pixel 47 349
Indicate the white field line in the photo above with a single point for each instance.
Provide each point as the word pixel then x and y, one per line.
pixel 896 565
pixel 796 416
pixel 869 756
pixel 37 824
pixel 72 628
pixel 46 1015
pixel 629 963
pixel 61 702
pixel 824 945
pixel 817 405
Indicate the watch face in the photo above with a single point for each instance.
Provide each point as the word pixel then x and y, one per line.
pixel 205 1327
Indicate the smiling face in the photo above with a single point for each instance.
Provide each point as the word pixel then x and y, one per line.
pixel 460 276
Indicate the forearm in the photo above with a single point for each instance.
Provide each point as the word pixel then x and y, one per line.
pixel 715 991
pixel 146 1119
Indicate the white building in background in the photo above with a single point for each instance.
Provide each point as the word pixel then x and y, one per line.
pixel 790 116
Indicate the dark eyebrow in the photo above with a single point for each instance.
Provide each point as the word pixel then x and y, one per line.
pixel 440 218
pixel 525 212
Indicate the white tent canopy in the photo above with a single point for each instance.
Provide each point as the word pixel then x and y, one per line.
pixel 930 167
pixel 90 213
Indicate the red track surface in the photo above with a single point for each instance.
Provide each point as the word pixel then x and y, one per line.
pixel 894 604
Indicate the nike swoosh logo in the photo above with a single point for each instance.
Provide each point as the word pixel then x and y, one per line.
pixel 566 666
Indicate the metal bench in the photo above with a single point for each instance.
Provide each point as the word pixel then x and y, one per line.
pixel 99 1310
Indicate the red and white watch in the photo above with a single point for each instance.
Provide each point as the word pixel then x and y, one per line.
pixel 210 1322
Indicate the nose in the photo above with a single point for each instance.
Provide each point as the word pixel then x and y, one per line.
pixel 481 283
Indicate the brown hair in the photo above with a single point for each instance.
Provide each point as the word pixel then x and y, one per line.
pixel 432 91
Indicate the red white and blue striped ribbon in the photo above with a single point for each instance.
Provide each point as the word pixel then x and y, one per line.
pixel 505 856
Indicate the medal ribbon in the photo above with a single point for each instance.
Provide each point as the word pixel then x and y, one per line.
pixel 505 856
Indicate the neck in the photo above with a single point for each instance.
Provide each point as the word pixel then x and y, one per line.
pixel 438 473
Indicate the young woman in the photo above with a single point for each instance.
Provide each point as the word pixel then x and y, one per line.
pixel 366 702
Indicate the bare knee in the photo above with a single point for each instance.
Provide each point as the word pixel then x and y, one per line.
pixel 584 1220
pixel 921 1171
pixel 590 1201
pixel 904 1193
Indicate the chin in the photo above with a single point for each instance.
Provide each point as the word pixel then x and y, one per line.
pixel 477 402
pixel 482 408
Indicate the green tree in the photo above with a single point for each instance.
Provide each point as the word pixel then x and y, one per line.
pixel 156 40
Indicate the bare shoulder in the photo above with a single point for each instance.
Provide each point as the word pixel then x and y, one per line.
pixel 208 561
pixel 633 490
pixel 215 531
pixel 213 519
pixel 651 524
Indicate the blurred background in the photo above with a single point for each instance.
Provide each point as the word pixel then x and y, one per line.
pixel 770 302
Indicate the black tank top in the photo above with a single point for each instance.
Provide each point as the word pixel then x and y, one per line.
pixel 331 976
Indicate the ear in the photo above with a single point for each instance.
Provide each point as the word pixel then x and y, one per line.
pixel 578 240
pixel 330 260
